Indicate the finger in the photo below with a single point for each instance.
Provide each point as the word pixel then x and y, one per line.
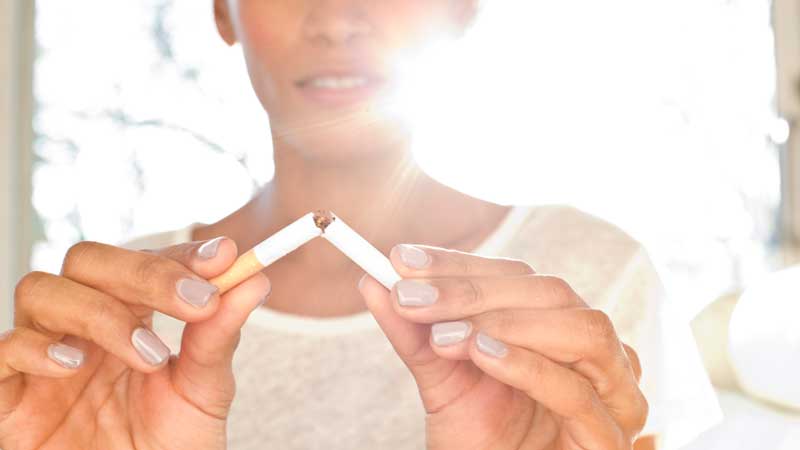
pixel 149 281
pixel 558 388
pixel 410 341
pixel 421 261
pixel 636 364
pixel 444 299
pixel 204 368
pixel 205 258
pixel 25 351
pixel 58 306
pixel 581 339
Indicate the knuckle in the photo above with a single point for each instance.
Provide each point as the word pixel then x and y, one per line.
pixel 75 255
pixel 151 268
pixel 600 330
pixel 521 267
pixel 472 295
pixel 26 287
pixel 97 313
pixel 461 263
pixel 633 361
pixel 559 289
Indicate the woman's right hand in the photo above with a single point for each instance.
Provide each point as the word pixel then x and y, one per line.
pixel 82 368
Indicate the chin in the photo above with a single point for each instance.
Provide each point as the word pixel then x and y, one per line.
pixel 348 142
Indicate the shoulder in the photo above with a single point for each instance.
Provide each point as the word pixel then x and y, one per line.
pixel 160 239
pixel 564 234
pixel 598 258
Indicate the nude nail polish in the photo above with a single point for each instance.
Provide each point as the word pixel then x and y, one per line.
pixel 415 293
pixel 65 355
pixel 449 333
pixel 195 292
pixel 414 257
pixel 491 346
pixel 149 346
pixel 209 249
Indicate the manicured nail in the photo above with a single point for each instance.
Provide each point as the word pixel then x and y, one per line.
pixel 66 356
pixel 210 248
pixel 449 333
pixel 413 257
pixel 195 292
pixel 265 298
pixel 149 346
pixel 361 281
pixel 491 346
pixel 414 293
pixel 5 334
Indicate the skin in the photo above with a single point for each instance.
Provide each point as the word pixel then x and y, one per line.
pixel 562 381
pixel 116 400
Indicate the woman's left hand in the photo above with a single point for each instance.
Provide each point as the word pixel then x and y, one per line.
pixel 513 360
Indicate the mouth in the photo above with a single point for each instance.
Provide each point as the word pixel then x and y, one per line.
pixel 340 89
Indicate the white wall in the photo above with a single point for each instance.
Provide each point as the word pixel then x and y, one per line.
pixel 16 50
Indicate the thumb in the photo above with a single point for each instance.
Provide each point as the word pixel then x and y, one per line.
pixel 411 341
pixel 203 370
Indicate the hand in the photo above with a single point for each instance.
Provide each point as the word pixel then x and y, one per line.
pixel 513 360
pixel 82 368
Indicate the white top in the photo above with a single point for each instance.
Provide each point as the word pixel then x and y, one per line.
pixel 336 383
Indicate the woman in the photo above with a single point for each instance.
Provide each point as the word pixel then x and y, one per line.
pixel 473 349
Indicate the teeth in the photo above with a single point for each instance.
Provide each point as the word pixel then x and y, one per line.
pixel 338 82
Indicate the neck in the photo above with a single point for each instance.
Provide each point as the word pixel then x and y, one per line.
pixel 360 191
pixel 385 197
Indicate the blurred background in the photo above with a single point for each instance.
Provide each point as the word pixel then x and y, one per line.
pixel 674 120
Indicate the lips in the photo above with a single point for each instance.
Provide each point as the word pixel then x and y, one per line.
pixel 342 88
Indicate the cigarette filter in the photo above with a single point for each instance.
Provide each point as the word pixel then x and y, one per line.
pixel 308 227
pixel 267 252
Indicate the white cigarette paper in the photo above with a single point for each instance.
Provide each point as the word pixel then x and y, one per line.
pixel 287 240
pixel 361 252
pixel 267 252
pixel 304 229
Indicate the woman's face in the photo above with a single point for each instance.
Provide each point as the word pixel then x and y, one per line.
pixel 325 69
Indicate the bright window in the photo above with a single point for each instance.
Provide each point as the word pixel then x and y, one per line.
pixel 655 115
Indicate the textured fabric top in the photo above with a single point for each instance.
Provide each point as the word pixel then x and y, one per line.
pixel 336 383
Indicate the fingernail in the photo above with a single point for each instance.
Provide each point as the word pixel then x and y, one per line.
pixel 149 346
pixel 449 333
pixel 5 334
pixel 413 257
pixel 361 281
pixel 265 298
pixel 414 293
pixel 491 346
pixel 66 356
pixel 195 292
pixel 209 249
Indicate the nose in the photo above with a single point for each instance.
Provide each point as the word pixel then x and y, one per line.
pixel 336 22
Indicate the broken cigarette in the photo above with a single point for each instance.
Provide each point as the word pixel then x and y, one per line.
pixel 359 250
pixel 308 227
pixel 267 252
